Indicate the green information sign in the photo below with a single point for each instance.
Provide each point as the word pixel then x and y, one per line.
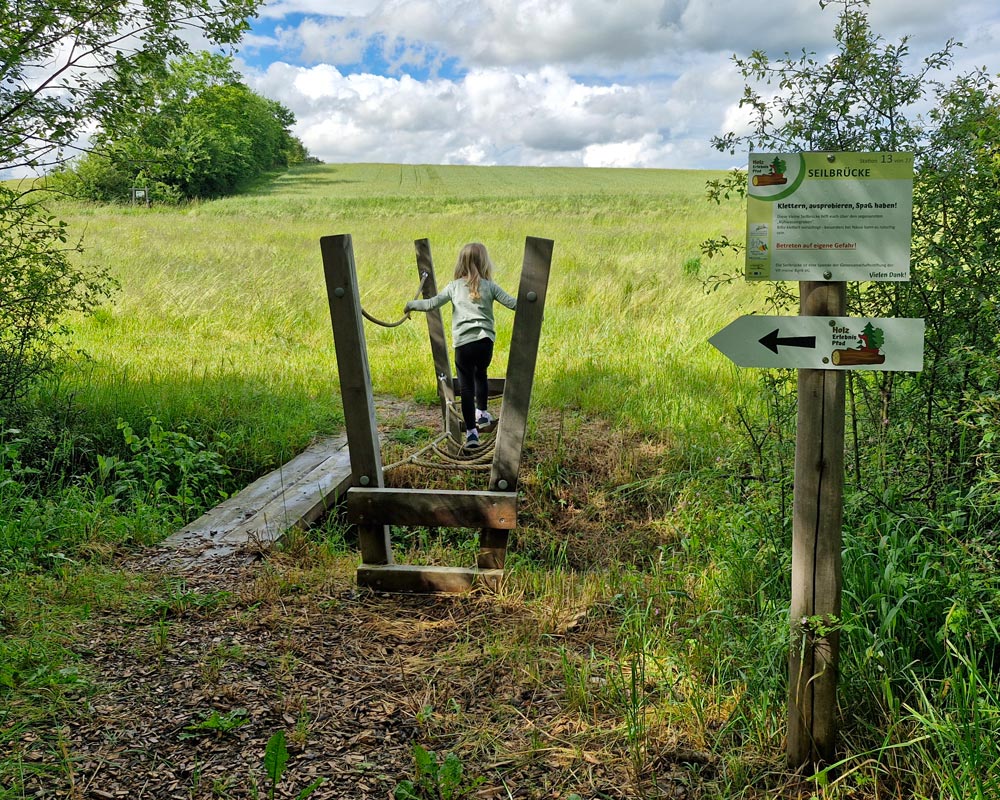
pixel 829 216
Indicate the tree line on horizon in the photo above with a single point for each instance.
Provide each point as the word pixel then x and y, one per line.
pixel 193 130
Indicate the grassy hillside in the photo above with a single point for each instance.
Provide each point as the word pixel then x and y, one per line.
pixel 640 646
pixel 222 307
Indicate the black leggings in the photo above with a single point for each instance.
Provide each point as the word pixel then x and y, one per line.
pixel 471 361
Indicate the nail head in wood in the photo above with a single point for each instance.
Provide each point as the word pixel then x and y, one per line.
pixel 532 297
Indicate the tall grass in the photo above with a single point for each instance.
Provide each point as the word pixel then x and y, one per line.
pixel 218 349
pixel 222 306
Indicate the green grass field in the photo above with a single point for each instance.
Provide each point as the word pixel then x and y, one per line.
pixel 223 309
pixel 646 615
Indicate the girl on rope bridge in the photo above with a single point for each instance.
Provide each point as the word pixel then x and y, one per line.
pixel 473 332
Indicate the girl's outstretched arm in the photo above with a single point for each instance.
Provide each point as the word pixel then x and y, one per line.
pixel 503 298
pixel 430 303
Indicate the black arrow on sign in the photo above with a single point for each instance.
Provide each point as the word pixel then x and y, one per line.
pixel 771 341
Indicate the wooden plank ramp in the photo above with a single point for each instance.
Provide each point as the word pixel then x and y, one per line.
pixel 294 495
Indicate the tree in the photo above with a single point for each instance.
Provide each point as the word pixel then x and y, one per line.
pixel 865 98
pixel 196 131
pixel 65 64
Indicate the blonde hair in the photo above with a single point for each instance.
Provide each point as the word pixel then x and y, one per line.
pixel 474 265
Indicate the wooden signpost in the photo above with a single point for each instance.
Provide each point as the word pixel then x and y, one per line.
pixel 823 219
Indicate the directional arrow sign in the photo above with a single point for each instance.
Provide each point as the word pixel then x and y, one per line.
pixel 893 345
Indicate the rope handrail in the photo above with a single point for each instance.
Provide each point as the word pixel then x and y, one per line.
pixel 406 316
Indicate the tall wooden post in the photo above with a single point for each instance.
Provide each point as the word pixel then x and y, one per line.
pixel 524 342
pixel 355 384
pixel 439 345
pixel 816 549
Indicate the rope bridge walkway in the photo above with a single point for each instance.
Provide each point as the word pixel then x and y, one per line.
pixel 349 469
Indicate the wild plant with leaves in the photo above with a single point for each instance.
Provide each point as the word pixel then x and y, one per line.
pixel 63 65
pixel 865 99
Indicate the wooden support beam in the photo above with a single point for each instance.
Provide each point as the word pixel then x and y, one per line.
pixel 492 548
pixel 495 386
pixel 413 579
pixel 817 515
pixel 521 363
pixel 432 508
pixel 355 383
pixel 439 344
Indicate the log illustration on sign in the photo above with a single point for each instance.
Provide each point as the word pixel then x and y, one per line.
pixel 775 177
pixel 869 352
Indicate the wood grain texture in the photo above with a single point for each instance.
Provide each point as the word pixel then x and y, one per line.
pixel 443 376
pixel 294 495
pixel 521 363
pixel 355 383
pixel 816 550
pixel 432 508
pixel 411 579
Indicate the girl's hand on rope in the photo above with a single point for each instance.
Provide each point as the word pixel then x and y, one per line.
pixel 408 308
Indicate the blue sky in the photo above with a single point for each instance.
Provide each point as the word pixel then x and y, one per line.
pixel 628 83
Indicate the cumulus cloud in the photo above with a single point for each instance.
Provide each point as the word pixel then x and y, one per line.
pixel 579 82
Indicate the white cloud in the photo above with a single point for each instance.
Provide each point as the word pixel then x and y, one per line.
pixel 588 82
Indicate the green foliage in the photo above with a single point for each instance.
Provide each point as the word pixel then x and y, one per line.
pixel 216 724
pixel 41 284
pixel 195 131
pixel 436 779
pixel 275 760
pixel 902 424
pixel 960 723
pixel 168 463
pixel 50 93
pixel 163 479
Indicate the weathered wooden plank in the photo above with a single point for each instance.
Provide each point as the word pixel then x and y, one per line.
pixel 301 504
pixel 355 383
pixel 521 363
pixel 432 507
pixel 415 579
pixel 439 344
pixel 248 502
pixel 492 548
pixel 495 386
pixel 816 549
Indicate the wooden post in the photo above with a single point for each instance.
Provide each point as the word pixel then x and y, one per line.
pixel 517 388
pixel 439 345
pixel 816 550
pixel 355 384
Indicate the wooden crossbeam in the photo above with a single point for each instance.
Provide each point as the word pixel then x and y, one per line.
pixel 432 507
pixel 415 579
pixel 495 386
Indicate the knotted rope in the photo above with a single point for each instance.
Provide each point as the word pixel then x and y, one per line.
pixel 406 316
pixel 478 460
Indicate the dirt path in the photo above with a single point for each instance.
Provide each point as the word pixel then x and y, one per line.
pixel 186 690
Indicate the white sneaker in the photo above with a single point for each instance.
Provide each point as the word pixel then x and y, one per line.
pixel 472 438
pixel 483 419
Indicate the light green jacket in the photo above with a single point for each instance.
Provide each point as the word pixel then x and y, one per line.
pixel 470 319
